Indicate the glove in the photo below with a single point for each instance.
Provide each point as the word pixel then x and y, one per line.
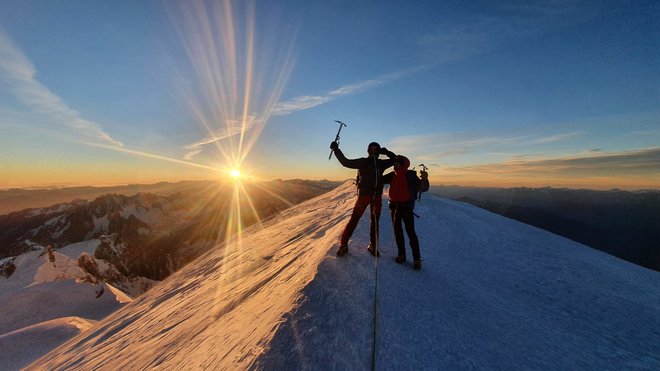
pixel 334 145
pixel 423 174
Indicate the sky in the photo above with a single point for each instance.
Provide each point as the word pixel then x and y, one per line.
pixel 519 93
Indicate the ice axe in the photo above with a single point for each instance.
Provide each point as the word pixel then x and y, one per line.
pixel 341 125
pixel 424 168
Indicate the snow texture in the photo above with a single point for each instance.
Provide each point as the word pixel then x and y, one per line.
pixel 43 304
pixel 63 268
pixel 492 294
pixel 22 347
pixel 120 296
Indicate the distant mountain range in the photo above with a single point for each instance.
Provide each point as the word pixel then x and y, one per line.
pixel 17 199
pixel 624 224
pixel 147 235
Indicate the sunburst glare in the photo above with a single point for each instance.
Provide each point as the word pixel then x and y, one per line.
pixel 241 68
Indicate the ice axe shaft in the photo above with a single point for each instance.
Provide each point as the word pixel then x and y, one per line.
pixel 341 125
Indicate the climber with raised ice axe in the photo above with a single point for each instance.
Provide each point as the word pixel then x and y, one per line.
pixel 370 191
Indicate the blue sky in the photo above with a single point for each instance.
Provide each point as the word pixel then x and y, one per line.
pixel 559 93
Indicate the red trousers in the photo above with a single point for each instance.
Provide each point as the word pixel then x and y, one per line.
pixel 375 203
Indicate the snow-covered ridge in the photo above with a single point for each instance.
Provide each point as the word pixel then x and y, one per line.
pixel 50 296
pixel 493 293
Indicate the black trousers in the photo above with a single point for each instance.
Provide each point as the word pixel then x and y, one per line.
pixel 402 213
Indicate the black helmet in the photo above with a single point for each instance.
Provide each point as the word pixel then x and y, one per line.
pixel 375 151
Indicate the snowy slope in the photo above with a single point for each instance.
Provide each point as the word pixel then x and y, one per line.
pixel 41 290
pixel 21 347
pixel 44 303
pixel 492 293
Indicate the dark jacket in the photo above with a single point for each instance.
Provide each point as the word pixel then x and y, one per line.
pixel 370 171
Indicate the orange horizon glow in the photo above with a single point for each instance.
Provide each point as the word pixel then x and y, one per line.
pixel 75 179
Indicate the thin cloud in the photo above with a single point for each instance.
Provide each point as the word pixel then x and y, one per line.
pixel 230 129
pixel 531 141
pixel 451 144
pixel 558 137
pixel 300 103
pixel 452 42
pixel 18 74
pixel 305 102
pixel 192 152
pixel 641 162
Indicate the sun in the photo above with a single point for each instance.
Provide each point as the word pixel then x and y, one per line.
pixel 235 173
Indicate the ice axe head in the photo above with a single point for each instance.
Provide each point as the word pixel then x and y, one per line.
pixel 340 124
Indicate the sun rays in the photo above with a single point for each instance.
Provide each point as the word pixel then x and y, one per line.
pixel 238 67
pixel 240 71
pixel 240 74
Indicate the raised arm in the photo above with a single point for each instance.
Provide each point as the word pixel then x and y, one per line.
pixel 349 163
pixel 390 161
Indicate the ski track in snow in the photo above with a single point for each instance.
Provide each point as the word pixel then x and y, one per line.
pixel 492 294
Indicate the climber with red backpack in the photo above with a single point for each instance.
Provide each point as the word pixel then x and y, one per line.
pixel 404 187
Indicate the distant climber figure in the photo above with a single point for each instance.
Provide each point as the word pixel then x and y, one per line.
pixel 404 186
pixel 370 191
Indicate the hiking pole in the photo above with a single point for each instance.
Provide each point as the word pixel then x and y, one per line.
pixel 341 125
